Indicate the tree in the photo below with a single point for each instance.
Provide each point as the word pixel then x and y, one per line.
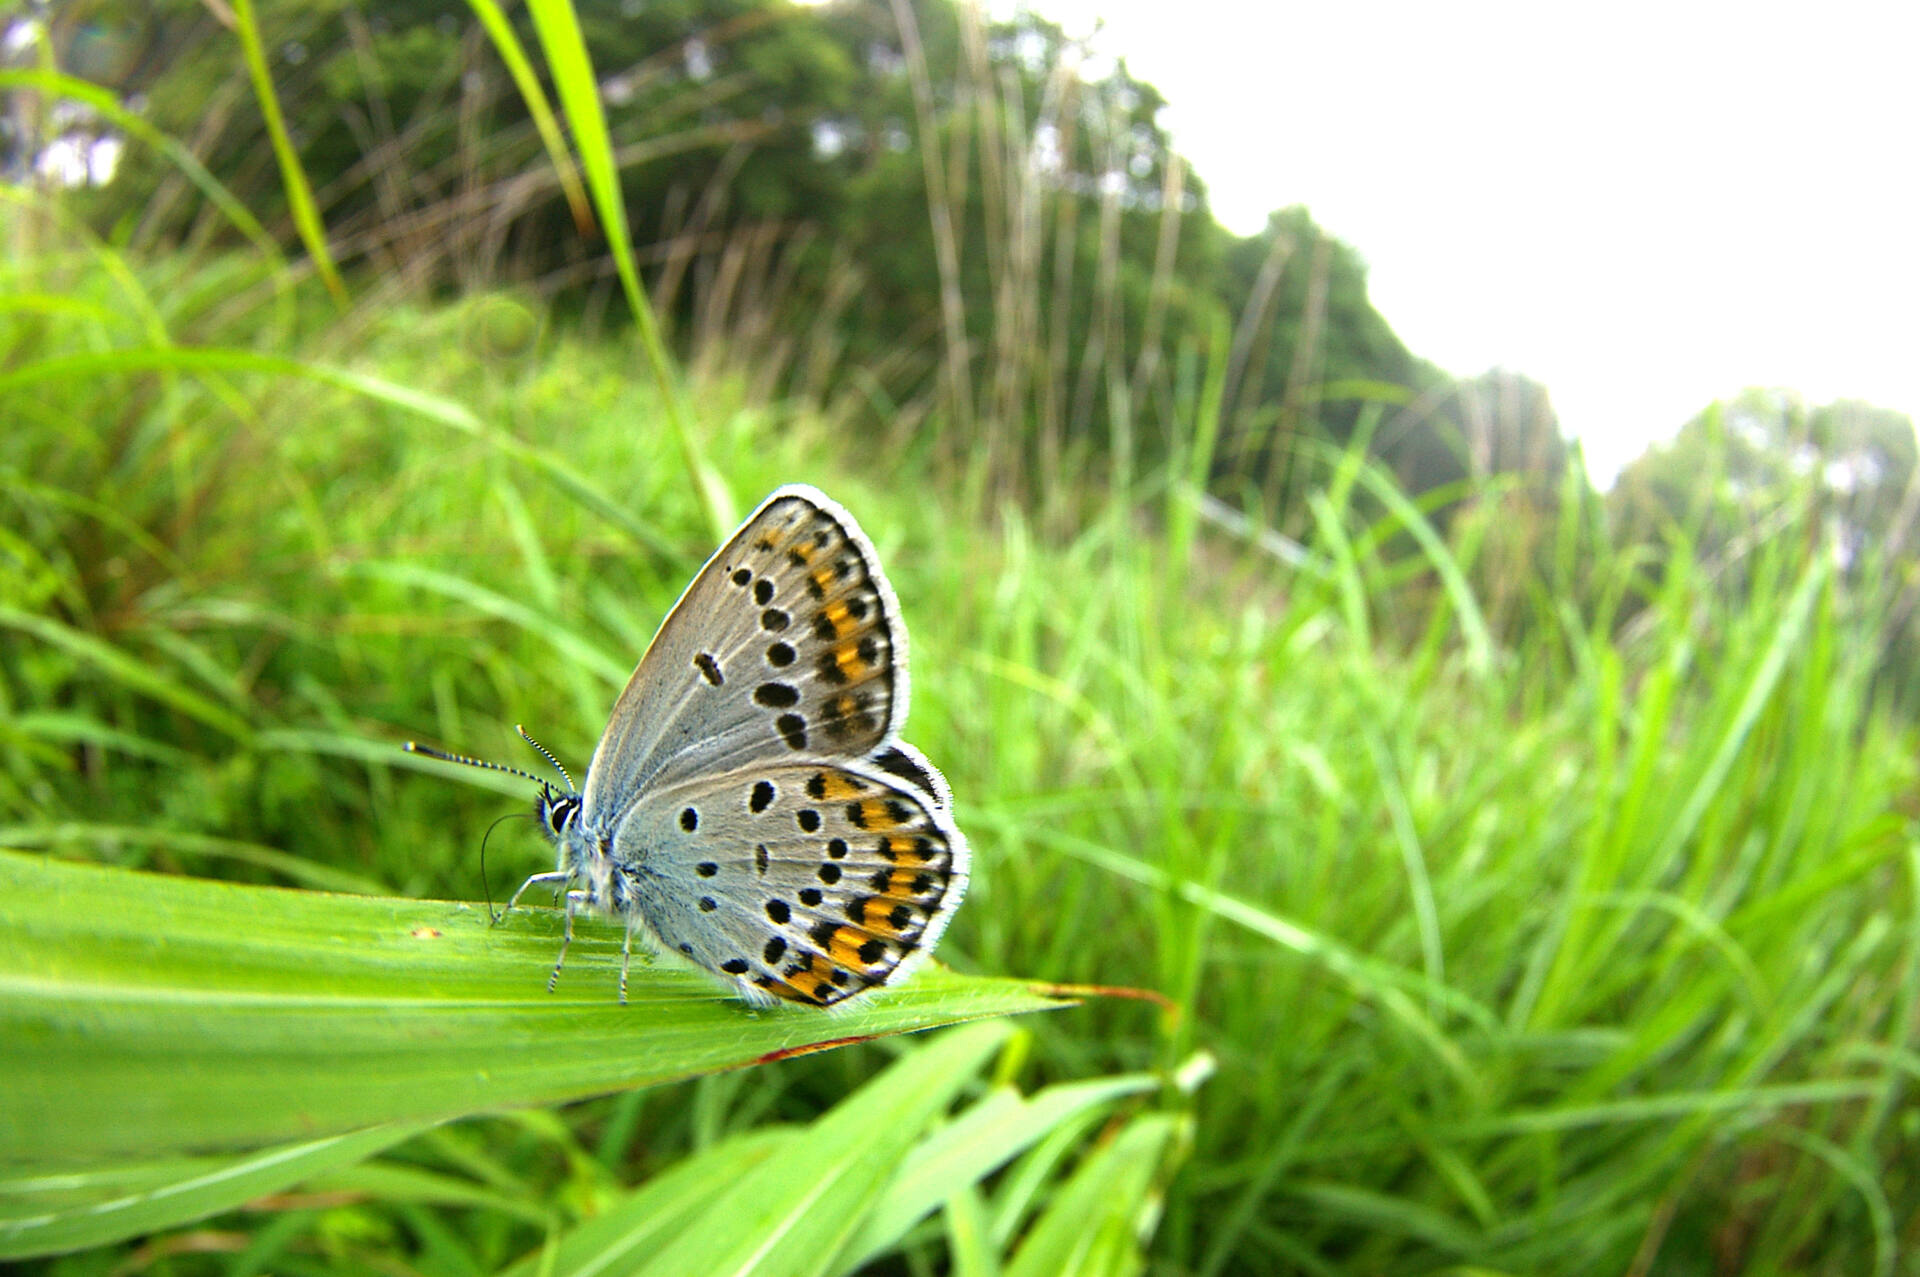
pixel 854 198
pixel 1732 467
pixel 1311 348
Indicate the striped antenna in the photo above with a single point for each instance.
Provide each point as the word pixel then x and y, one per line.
pixel 414 747
pixel 548 755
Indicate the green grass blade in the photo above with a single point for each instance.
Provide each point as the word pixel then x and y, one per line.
pixel 791 1221
pixel 85 367
pixel 1189 488
pixel 146 1015
pixel 1384 1214
pixel 1107 1209
pixel 969 1248
pixel 566 49
pixel 1476 639
pixel 1795 618
pixel 566 643
pixel 50 1213
pixel 306 214
pixel 392 1182
pixel 514 56
pixel 125 669
pixel 623 1235
pixel 98 834
pixel 666 1210
pixel 1372 979
pixel 990 1133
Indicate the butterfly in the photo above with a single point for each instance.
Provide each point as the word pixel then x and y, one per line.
pixel 751 805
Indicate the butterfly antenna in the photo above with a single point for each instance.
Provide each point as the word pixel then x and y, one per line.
pixel 486 889
pixel 414 747
pixel 548 755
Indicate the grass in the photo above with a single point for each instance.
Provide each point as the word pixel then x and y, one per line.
pixel 1532 958
pixel 1525 902
pixel 421 1008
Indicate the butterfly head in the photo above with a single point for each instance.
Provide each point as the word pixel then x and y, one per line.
pixel 556 810
pixel 581 855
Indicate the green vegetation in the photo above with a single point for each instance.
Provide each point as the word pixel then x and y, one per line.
pixel 1529 876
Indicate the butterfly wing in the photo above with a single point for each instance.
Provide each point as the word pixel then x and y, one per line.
pixel 788 645
pixel 811 881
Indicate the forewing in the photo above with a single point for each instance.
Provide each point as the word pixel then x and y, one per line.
pixel 787 645
pixel 811 881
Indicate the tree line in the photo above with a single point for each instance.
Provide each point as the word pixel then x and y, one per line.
pixel 922 219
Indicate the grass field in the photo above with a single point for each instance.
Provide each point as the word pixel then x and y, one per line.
pixel 1520 903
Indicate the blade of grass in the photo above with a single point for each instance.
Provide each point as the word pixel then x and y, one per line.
pixel 793 1224
pixel 1190 487
pixel 435 408
pixel 1368 978
pixel 514 55
pixel 1107 1209
pixel 565 642
pixel 295 869
pixel 147 1015
pixel 990 1133
pixel 392 1182
pixel 51 1213
pixel 688 1192
pixel 1387 1214
pixel 306 214
pixel 124 668
pixel 969 1249
pixel 566 51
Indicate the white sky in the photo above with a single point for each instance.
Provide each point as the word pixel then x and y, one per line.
pixel 1645 206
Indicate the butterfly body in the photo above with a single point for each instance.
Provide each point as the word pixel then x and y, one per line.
pixel 751 806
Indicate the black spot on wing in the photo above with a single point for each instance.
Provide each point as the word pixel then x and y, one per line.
pixel 793 730
pixel 777 695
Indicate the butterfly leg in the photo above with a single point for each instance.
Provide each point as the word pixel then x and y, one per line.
pixel 576 900
pixel 556 876
pixel 626 957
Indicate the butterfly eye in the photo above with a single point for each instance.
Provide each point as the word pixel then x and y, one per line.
pixel 555 811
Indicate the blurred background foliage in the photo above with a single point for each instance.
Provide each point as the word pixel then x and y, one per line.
pixel 1535 861
pixel 775 163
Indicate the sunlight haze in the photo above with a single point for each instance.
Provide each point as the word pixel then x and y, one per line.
pixel 1645 207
